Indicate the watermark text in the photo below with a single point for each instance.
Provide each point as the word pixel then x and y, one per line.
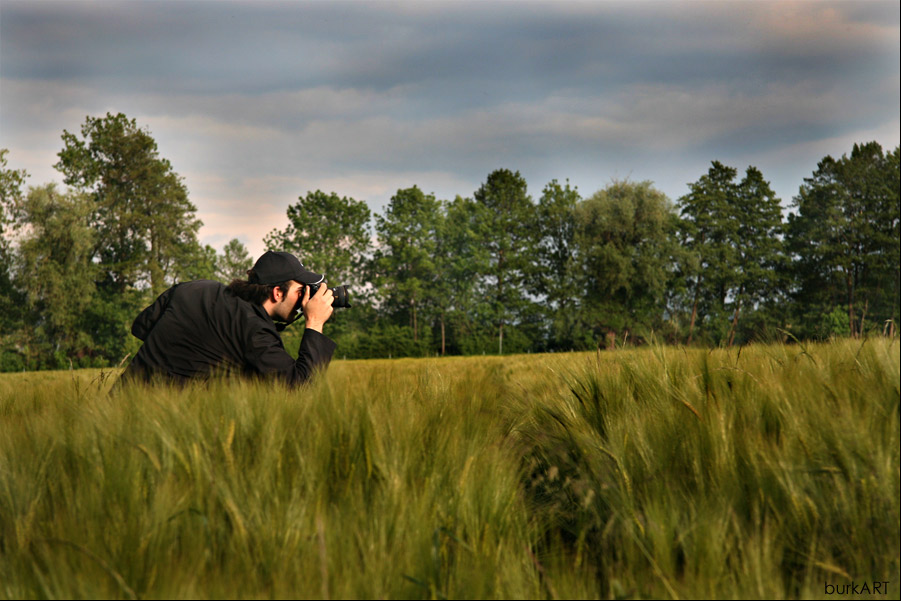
pixel 877 587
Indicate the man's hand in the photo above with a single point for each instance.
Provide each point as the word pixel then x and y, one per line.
pixel 318 309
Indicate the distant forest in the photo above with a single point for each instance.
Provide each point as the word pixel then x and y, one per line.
pixel 496 272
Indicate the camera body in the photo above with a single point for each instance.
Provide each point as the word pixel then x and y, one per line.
pixel 342 297
pixel 342 300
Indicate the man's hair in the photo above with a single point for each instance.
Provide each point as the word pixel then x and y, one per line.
pixel 255 293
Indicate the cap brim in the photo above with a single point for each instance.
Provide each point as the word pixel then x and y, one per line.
pixel 308 277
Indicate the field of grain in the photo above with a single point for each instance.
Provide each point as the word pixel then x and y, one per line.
pixel 659 472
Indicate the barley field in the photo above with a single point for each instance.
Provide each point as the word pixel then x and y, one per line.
pixel 660 472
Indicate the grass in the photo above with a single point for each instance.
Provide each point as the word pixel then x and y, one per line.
pixel 658 472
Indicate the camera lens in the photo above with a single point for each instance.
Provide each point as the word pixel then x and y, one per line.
pixel 342 297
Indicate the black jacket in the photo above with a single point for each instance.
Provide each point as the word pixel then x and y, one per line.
pixel 195 329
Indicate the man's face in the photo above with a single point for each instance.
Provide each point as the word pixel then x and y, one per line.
pixel 284 308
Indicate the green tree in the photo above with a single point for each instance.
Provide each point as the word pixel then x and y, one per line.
pixel 405 261
pixel 509 236
pixel 706 231
pixel 198 262
pixel 234 262
pixel 11 299
pixel 145 225
pixel 758 245
pixel 11 196
pixel 732 233
pixel 330 235
pixel 625 236
pixel 461 298
pixel 844 237
pixel 55 270
pixel 556 259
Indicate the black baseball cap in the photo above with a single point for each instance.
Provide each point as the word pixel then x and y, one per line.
pixel 277 267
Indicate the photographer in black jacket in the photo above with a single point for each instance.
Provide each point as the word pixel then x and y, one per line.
pixel 199 328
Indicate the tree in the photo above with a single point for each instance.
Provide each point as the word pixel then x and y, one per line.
pixel 405 261
pixel 11 183
pixel 55 269
pixel 144 222
pixel 625 236
pixel 461 298
pixel 11 198
pixel 844 236
pixel 198 262
pixel 234 262
pixel 706 231
pixel 11 299
pixel 758 246
pixel 509 237
pixel 556 260
pixel 733 234
pixel 330 235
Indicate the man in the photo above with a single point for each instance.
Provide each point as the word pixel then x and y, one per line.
pixel 196 329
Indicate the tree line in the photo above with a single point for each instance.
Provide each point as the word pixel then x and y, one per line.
pixel 495 272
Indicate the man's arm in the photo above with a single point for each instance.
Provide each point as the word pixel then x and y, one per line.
pixel 267 355
pixel 149 316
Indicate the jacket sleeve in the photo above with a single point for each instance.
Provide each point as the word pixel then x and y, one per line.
pixel 149 316
pixel 268 356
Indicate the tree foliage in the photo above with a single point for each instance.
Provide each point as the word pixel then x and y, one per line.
pixel 707 232
pixel 234 262
pixel 844 238
pixel 88 258
pixel 506 230
pixel 406 259
pixel 625 235
pixel 758 246
pixel 330 235
pixel 491 273
pixel 556 273
pixel 56 270
pixel 12 300
pixel 145 225
pixel 732 233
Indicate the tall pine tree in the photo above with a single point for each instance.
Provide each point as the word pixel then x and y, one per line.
pixel 144 222
pixel 510 238
pixel 844 236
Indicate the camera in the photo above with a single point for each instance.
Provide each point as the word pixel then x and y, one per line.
pixel 342 297
pixel 342 300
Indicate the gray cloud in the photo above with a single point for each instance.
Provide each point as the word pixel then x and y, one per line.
pixel 257 102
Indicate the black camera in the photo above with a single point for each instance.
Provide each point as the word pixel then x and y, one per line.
pixel 342 297
pixel 342 300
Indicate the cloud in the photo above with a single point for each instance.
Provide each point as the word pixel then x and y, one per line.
pixel 255 103
pixel 219 48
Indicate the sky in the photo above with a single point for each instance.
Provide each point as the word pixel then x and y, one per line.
pixel 256 103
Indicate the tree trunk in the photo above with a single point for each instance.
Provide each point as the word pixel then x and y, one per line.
pixel 499 301
pixel 155 267
pixel 442 334
pixel 734 322
pixel 895 303
pixel 611 340
pixel 863 315
pixel 741 292
pixel 850 287
pixel 694 315
pixel 415 325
